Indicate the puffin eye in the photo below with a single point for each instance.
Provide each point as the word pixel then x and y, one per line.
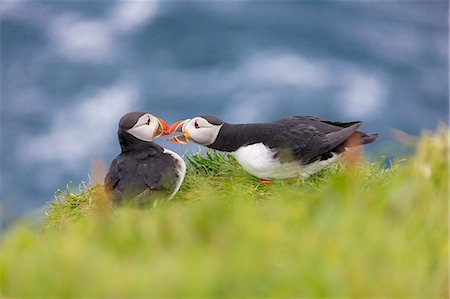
pixel 148 122
pixel 196 125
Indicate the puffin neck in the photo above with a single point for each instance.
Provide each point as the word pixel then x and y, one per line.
pixel 130 143
pixel 233 136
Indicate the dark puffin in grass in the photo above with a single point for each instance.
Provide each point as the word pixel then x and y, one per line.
pixel 144 171
pixel 295 146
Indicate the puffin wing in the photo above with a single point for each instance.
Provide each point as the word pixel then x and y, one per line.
pixel 324 126
pixel 306 141
pixel 335 126
pixel 159 177
pixel 112 180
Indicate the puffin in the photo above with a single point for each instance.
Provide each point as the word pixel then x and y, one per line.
pixel 143 172
pixel 295 146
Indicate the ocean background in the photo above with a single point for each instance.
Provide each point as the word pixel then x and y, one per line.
pixel 71 69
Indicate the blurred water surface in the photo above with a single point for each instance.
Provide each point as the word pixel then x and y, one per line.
pixel 70 69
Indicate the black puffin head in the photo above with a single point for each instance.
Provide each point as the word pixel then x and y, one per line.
pixel 201 129
pixel 137 129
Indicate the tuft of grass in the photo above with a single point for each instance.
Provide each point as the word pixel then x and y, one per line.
pixel 213 163
pixel 70 206
pixel 348 231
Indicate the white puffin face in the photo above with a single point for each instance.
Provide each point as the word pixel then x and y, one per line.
pixel 201 131
pixel 148 127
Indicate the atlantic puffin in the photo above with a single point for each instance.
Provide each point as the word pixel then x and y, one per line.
pixel 295 146
pixel 144 171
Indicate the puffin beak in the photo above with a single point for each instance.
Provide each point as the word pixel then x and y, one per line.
pixel 161 129
pixel 179 127
pixel 180 139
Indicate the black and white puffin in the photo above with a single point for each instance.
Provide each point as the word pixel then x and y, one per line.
pixel 143 171
pixel 295 146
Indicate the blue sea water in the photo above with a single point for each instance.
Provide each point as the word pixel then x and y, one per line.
pixel 70 69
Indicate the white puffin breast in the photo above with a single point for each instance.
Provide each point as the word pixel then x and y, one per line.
pixel 258 160
pixel 181 170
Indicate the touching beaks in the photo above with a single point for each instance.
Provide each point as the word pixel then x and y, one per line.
pixel 179 127
pixel 161 129
pixel 180 139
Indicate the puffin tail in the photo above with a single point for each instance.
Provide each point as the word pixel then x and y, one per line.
pixel 349 137
pixel 367 138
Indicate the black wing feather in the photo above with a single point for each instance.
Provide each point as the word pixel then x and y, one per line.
pixel 325 126
pixel 162 179
pixel 112 177
pixel 111 180
pixel 141 177
pixel 307 138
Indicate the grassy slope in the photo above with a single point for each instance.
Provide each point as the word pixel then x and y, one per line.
pixel 349 231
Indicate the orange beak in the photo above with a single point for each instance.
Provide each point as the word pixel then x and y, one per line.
pixel 179 127
pixel 179 139
pixel 162 129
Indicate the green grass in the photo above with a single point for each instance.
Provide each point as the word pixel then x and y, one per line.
pixel 349 231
